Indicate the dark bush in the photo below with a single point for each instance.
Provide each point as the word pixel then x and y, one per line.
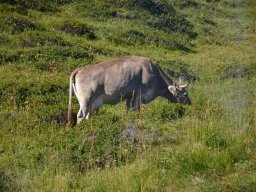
pixel 157 7
pixel 168 42
pixel 79 29
pixel 21 24
pixel 169 23
pixel 134 37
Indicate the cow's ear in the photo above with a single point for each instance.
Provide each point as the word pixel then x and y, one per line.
pixel 172 89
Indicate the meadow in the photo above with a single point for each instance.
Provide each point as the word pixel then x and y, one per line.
pixel 207 146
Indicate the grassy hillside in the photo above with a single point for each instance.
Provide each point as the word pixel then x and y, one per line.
pixel 208 146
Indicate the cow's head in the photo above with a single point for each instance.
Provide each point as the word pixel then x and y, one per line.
pixel 179 93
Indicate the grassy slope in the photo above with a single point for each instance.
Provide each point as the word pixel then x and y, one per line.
pixel 209 146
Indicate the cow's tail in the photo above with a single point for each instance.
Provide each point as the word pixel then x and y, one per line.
pixel 70 115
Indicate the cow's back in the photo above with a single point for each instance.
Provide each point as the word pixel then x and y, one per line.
pixel 122 75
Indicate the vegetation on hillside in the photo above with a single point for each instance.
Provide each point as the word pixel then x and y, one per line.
pixel 208 146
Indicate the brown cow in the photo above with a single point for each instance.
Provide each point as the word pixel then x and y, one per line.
pixel 124 78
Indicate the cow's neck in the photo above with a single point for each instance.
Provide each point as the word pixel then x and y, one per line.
pixel 167 81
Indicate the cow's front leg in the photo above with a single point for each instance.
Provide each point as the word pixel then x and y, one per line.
pixel 136 100
pixel 128 103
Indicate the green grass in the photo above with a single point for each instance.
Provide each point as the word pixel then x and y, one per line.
pixel 208 146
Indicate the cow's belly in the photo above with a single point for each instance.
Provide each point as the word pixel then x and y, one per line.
pixel 148 96
pixel 97 102
pixel 106 99
pixel 111 99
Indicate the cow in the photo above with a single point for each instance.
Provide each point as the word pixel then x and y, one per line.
pixel 133 79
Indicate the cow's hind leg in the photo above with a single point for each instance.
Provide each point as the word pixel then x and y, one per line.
pixel 83 112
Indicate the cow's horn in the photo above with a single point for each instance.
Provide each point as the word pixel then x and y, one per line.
pixel 183 86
